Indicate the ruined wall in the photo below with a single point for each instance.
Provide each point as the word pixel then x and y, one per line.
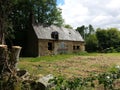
pixel 82 46
pixel 78 46
pixel 59 47
pixel 43 48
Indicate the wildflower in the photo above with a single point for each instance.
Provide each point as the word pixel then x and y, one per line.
pixel 118 67
pixel 108 77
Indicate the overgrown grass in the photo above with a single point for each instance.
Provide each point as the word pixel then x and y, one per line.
pixel 75 65
pixel 64 56
pixel 56 57
pixel 112 54
pixel 81 63
pixel 48 58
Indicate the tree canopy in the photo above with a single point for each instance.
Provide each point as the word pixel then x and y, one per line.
pixel 102 40
pixel 91 43
pixel 85 31
pixel 108 38
pixel 68 26
pixel 81 30
pixel 43 11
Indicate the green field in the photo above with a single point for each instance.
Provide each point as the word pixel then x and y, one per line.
pixel 70 65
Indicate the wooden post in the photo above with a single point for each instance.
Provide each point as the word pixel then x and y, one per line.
pixel 15 55
pixel 3 57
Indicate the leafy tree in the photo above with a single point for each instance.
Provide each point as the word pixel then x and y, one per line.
pixel 43 11
pixel 68 26
pixel 5 25
pixel 81 30
pixel 20 21
pixel 113 37
pixel 46 12
pixel 91 43
pixel 108 38
pixel 102 37
pixel 88 33
pixel 91 29
pixel 85 31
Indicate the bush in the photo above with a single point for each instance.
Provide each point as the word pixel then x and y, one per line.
pixel 91 43
pixel 118 49
pixel 110 50
pixel 108 38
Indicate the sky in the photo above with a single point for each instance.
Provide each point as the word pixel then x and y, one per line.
pixel 99 13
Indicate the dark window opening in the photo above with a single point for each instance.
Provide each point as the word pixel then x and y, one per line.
pixel 78 47
pixel 55 35
pixel 73 47
pixel 50 47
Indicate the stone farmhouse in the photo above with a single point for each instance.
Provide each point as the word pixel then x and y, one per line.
pixel 51 40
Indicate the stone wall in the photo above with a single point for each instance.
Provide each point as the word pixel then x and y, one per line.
pixel 43 47
pixel 58 47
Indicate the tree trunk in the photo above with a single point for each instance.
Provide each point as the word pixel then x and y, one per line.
pixel 2 39
pixel 3 57
pixel 2 27
pixel 15 55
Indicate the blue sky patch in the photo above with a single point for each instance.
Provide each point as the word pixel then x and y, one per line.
pixel 60 2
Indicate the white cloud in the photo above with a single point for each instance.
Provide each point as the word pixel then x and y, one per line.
pixel 99 13
pixel 114 4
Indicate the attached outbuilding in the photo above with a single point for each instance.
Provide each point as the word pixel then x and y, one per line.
pixel 51 40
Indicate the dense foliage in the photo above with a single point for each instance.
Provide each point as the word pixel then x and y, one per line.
pixel 43 11
pixel 5 23
pixel 85 31
pixel 101 40
pixel 91 43
pixel 82 30
pixel 68 26
pixel 108 39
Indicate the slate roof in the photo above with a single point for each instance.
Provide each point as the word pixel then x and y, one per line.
pixel 44 32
